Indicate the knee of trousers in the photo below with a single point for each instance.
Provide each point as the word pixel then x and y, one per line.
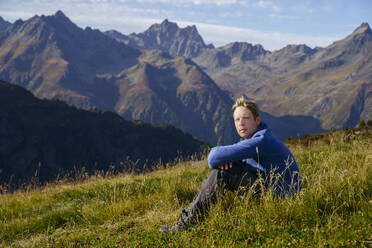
pixel 232 179
pixel 224 178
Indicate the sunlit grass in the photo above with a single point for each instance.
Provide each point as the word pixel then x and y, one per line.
pixel 334 208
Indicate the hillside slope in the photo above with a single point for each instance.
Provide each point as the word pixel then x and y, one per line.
pixel 333 209
pixel 51 138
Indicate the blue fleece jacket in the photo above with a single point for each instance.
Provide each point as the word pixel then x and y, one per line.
pixel 266 153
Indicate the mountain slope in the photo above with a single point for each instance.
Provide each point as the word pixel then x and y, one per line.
pixel 55 138
pixel 163 89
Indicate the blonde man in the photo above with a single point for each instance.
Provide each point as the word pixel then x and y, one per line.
pixel 259 154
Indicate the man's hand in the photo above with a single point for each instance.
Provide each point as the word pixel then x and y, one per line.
pixel 225 166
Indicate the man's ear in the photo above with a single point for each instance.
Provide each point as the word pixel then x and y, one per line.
pixel 258 120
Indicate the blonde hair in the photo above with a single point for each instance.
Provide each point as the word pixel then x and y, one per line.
pixel 251 105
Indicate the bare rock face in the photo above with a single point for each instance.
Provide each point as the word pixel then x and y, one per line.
pixel 51 138
pixel 167 37
pixel 232 54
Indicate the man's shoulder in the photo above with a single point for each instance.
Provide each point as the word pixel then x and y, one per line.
pixel 267 136
pixel 263 131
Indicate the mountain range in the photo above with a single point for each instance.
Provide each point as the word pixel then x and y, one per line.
pixel 169 75
pixel 52 139
pixel 54 58
pixel 330 84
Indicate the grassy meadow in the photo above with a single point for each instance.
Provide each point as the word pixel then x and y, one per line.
pixel 334 208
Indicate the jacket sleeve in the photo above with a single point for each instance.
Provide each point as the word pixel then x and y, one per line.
pixel 236 152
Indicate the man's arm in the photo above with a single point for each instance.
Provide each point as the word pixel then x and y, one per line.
pixel 222 156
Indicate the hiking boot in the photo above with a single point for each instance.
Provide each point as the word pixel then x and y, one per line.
pixel 177 227
pixel 184 223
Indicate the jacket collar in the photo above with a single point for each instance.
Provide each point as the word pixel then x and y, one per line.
pixel 262 126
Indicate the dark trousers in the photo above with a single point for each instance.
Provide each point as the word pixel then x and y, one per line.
pixel 236 178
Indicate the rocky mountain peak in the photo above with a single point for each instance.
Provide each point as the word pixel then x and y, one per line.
pixel 166 22
pixel 4 24
pixel 60 14
pixel 32 30
pixel 245 51
pixel 362 29
pixel 168 37
pixel 172 30
pixel 165 26
pixel 358 41
pixel 60 21
pixel 2 19
pixel 361 33
pixel 240 46
pixel 191 29
pixel 116 35
pixel 44 25
pixel 303 49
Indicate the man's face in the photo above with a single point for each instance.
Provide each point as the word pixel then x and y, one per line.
pixel 245 123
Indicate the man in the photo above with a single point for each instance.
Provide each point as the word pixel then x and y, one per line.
pixel 259 155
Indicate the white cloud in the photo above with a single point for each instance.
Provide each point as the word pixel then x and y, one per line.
pixel 100 14
pixel 195 2
pixel 15 15
pixel 266 5
pixel 125 25
pixel 303 8
pixel 222 35
pixel 217 2
pixel 276 16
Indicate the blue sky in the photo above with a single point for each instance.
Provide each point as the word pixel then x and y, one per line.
pixel 273 24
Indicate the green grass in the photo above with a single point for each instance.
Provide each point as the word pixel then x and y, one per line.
pixel 333 210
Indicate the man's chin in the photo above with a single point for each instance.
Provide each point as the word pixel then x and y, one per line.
pixel 245 136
